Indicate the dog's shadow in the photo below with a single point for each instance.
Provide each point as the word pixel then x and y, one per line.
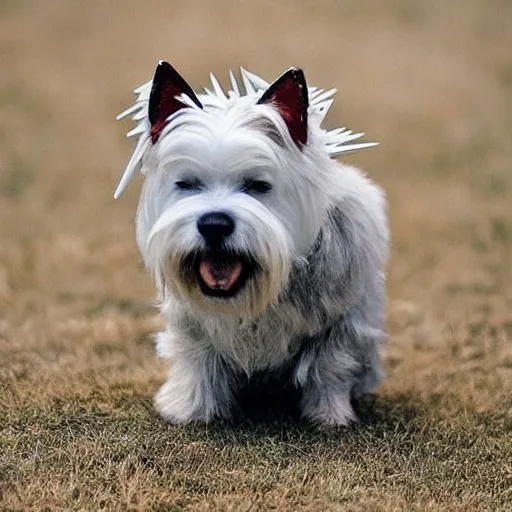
pixel 378 418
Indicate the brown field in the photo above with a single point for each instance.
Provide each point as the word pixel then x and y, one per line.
pixel 432 81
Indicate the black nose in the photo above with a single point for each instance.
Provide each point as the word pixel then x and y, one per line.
pixel 215 226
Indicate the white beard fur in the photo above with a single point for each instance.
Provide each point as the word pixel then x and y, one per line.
pixel 316 308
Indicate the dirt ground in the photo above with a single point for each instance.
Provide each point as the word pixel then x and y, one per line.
pixel 432 81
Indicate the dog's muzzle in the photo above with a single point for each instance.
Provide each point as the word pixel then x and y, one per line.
pixel 217 270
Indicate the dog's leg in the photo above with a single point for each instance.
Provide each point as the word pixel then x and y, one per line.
pixel 199 387
pixel 341 364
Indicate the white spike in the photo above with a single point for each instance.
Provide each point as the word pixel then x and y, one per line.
pixel 353 136
pixel 257 81
pixel 188 101
pixel 129 111
pixel 337 131
pixel 314 94
pixel 144 88
pixel 141 114
pixel 339 138
pixel 351 147
pixel 234 83
pixel 249 89
pixel 324 95
pixel 323 104
pixel 216 87
pixel 138 130
pixel 322 110
pixel 131 168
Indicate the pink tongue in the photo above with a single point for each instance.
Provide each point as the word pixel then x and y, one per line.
pixel 220 275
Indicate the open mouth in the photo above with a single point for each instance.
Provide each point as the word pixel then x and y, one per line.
pixel 222 274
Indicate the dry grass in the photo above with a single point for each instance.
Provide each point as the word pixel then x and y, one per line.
pixel 432 81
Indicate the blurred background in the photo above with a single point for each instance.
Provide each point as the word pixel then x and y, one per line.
pixel 431 80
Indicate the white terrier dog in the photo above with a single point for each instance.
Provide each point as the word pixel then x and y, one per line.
pixel 267 254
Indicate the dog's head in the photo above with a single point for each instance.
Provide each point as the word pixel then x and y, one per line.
pixel 236 188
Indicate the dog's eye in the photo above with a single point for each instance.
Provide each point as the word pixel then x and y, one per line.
pixel 256 187
pixel 188 185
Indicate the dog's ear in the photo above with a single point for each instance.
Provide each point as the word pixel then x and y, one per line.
pixel 289 95
pixel 167 85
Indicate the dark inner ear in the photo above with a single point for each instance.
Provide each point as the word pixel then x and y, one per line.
pixel 167 84
pixel 289 94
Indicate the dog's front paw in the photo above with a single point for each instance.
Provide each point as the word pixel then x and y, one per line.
pixel 328 410
pixel 193 392
pixel 179 403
